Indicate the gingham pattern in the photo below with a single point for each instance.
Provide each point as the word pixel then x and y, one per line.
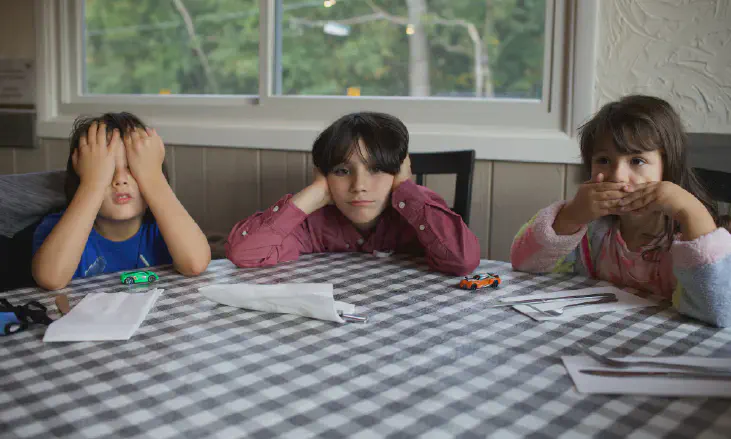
pixel 431 361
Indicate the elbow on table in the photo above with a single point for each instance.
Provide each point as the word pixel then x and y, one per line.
pixel 242 260
pixel 193 268
pixel 716 315
pixel 49 282
pixel 461 266
pixel 720 318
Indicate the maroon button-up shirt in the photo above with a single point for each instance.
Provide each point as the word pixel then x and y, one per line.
pixel 418 222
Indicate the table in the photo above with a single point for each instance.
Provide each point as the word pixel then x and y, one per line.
pixel 431 361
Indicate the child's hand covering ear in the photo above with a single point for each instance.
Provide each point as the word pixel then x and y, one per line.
pixel 321 183
pixel 403 174
pixel 315 196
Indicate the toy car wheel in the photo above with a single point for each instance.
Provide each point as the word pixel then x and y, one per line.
pixel 129 281
pixel 495 284
pixel 151 279
pixel 473 287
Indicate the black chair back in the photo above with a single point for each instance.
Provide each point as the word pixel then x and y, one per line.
pixel 461 163
pixel 718 183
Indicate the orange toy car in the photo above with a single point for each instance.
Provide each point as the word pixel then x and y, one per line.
pixel 480 281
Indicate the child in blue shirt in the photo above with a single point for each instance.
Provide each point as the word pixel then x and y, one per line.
pixel 121 214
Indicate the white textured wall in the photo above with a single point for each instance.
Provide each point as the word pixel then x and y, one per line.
pixel 679 50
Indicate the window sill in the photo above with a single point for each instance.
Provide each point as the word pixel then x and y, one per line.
pixel 519 145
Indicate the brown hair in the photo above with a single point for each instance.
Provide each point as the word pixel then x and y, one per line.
pixel 124 122
pixel 640 123
pixel 385 137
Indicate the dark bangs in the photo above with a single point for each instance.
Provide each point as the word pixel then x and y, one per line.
pixel 634 124
pixel 385 137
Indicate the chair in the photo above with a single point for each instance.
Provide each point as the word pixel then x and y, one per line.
pixel 718 183
pixel 461 163
pixel 25 200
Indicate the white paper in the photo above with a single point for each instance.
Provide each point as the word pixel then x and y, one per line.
pixel 307 299
pixel 657 386
pixel 103 316
pixel 625 301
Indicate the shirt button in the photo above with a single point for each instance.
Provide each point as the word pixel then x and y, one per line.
pixel 421 227
pixel 347 245
pixel 360 241
pixel 243 233
pixel 276 208
pixel 401 204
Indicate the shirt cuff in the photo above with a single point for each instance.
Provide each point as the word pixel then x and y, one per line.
pixel 409 200
pixel 284 216
pixel 546 236
pixel 704 250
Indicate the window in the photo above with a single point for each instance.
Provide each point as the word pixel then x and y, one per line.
pixel 193 47
pixel 440 48
pixel 272 73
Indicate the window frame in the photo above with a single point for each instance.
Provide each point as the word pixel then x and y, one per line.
pixel 518 130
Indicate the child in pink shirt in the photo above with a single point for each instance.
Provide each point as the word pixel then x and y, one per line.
pixel 362 200
pixel 643 220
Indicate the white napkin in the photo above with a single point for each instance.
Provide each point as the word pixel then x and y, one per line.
pixel 625 300
pixel 308 300
pixel 103 316
pixel 658 386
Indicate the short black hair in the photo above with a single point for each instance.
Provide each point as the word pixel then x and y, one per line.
pixel 124 122
pixel 385 137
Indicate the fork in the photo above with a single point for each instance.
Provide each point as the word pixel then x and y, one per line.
pixel 622 364
pixel 559 311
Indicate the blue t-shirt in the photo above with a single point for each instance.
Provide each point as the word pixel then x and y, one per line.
pixel 145 248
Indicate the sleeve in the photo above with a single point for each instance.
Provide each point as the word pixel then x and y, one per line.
pixel 266 238
pixel 703 270
pixel 450 246
pixel 538 249
pixel 44 229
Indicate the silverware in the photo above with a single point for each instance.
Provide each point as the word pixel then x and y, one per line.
pixel 353 318
pixel 657 374
pixel 553 299
pixel 622 364
pixel 558 312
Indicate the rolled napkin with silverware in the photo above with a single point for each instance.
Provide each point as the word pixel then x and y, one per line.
pixel 313 300
pixel 641 375
pixel 572 303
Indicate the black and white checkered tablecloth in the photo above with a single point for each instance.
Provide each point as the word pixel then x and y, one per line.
pixel 431 361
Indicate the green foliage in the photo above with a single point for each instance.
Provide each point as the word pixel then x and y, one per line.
pixel 144 47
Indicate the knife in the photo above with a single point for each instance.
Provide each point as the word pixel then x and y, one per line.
pixel 657 374
pixel 553 299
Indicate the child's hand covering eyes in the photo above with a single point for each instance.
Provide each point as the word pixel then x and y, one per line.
pixel 145 153
pixel 93 161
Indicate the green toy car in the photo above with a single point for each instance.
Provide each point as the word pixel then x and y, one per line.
pixel 136 277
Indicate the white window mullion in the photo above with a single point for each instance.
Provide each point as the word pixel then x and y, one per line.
pixel 47 60
pixel 267 36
